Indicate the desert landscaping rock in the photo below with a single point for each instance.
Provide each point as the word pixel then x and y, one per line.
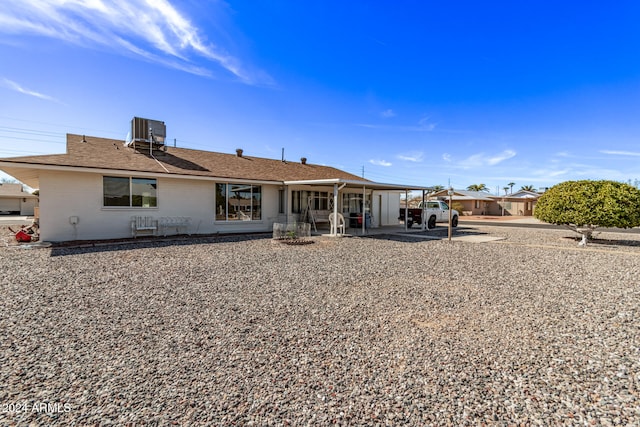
pixel 529 330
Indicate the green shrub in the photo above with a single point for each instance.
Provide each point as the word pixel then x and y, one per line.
pixel 585 205
pixel 590 203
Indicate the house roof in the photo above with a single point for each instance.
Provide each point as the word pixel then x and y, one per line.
pixel 461 195
pixel 524 194
pixel 465 195
pixel 109 154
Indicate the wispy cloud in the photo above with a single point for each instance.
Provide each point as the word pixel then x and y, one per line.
pixel 446 157
pixel 151 29
pixel 621 153
pixel 387 114
pixel 380 163
pixel 415 156
pixel 426 124
pixel 501 157
pixel 423 125
pixel 481 159
pixel 18 88
pixel 555 173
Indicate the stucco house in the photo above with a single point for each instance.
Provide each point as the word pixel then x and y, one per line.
pixel 473 202
pixel 100 185
pixel 14 200
pixel 521 203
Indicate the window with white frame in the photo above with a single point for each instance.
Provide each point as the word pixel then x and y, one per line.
pixel 352 203
pixel 129 192
pixel 315 200
pixel 238 202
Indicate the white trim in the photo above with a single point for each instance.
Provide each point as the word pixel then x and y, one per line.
pixel 356 183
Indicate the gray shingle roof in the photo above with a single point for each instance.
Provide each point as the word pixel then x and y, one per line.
pixel 102 153
pixel 466 195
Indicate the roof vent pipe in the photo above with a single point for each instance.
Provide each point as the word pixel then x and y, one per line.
pixel 239 152
pixel 303 160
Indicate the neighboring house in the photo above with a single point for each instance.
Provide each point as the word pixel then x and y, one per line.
pixel 96 188
pixel 14 200
pixel 521 203
pixel 473 202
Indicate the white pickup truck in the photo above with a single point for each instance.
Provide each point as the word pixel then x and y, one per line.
pixel 437 211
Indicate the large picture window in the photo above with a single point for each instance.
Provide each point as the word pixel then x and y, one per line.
pixel 238 202
pixel 129 192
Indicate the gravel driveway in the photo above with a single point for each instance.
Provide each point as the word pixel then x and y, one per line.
pixel 529 330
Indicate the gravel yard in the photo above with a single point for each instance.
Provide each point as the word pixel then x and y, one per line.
pixel 529 330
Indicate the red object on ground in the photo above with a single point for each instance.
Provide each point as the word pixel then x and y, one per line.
pixel 21 236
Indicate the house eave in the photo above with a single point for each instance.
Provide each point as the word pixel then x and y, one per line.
pixel 19 169
pixel 357 184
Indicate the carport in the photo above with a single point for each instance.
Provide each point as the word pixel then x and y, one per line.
pixel 341 186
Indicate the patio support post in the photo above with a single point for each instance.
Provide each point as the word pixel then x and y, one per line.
pixel 406 208
pixel 424 212
pixel 334 225
pixel 364 208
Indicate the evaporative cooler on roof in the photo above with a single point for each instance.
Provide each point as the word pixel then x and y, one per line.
pixel 147 134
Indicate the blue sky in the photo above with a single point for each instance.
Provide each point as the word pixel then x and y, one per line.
pixel 416 92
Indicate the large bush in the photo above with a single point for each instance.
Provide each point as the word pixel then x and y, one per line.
pixel 585 205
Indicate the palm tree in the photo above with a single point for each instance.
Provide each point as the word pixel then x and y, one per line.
pixel 528 188
pixel 478 187
pixel 506 189
pixel 511 184
pixel 437 188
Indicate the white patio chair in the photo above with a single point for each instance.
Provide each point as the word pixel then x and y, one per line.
pixel 340 223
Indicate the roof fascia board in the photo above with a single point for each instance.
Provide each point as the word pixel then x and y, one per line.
pixel 354 183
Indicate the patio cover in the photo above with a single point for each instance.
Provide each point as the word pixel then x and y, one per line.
pixel 340 184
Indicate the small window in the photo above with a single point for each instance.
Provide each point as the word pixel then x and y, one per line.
pixel 143 193
pixel 320 200
pixel 352 203
pixel 281 194
pixel 129 192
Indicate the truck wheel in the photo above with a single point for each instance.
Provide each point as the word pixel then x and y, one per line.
pixel 454 221
pixel 432 222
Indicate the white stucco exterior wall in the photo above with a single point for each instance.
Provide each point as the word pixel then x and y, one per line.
pixel 78 194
